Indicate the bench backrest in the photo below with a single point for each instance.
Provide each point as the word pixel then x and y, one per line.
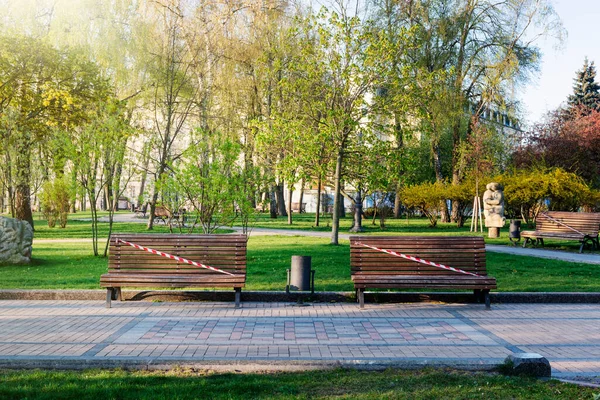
pixel 161 211
pixel 587 223
pixel 225 252
pixel 466 253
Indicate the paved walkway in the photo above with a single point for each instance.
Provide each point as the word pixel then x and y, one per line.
pixel 86 334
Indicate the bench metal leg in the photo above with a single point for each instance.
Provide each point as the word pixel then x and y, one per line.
pixel 488 303
pixel 477 295
pixel 361 298
pixel 109 296
pixel 238 295
pixel 118 295
pixel 525 242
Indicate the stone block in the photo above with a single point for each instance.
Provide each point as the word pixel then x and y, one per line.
pixel 529 364
pixel 16 238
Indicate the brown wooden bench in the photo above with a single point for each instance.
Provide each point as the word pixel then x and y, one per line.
pixel 374 269
pixel 132 267
pixel 579 226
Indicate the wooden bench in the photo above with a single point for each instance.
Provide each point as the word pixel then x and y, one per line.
pixel 579 226
pixel 161 214
pixel 375 269
pixel 132 267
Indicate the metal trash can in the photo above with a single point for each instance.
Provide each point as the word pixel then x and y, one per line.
pixel 514 231
pixel 300 277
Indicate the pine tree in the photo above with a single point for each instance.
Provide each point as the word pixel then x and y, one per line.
pixel 586 91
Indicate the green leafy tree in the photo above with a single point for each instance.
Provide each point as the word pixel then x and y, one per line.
pixel 211 182
pixel 42 89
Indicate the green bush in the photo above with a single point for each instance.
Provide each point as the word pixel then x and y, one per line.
pixel 528 192
pixel 426 197
pixel 55 202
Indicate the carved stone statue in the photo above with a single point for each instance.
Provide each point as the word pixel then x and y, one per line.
pixel 493 205
pixel 16 237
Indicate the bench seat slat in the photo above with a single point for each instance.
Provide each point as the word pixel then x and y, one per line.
pixel 371 268
pixel 132 267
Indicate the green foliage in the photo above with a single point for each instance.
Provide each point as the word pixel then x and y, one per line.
pixel 55 201
pixel 586 91
pixel 527 192
pixel 211 181
pixel 427 198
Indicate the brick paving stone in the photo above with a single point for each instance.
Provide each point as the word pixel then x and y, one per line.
pixel 567 334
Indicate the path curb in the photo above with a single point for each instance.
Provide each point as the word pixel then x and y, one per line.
pixel 244 366
pixel 323 297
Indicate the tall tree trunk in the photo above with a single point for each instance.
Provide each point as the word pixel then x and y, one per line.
pixel 279 196
pixel 152 209
pixel 289 203
pixel 318 213
pixel 74 193
pixel 146 162
pixel 22 174
pixel 301 199
pixel 335 226
pixel 272 203
pixel 399 147
pixel 437 163
pixel 397 202
pixel 342 202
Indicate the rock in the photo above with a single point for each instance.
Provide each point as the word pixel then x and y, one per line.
pixel 16 237
pixel 529 364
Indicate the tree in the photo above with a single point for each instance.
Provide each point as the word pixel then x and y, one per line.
pixel 465 53
pixel 209 179
pixel 567 140
pixel 94 150
pixel 586 91
pixel 173 96
pixel 42 88
pixel 335 62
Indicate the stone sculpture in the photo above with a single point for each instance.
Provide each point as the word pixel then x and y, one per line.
pixel 16 238
pixel 493 205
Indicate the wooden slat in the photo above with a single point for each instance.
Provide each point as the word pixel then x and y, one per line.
pixel 128 266
pixel 374 269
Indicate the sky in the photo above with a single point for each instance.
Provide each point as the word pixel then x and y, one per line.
pixel 581 19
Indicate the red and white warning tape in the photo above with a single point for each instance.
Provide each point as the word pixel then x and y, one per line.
pixel 167 255
pixel 562 223
pixel 420 260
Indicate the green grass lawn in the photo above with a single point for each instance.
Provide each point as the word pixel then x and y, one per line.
pixel 402 226
pixel 79 226
pixel 70 265
pixel 336 384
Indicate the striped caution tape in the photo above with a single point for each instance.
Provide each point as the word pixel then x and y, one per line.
pixel 172 257
pixel 562 223
pixel 420 260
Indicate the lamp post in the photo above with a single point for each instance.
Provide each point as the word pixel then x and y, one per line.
pixel 357 226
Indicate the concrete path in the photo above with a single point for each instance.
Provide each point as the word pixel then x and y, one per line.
pixel 83 334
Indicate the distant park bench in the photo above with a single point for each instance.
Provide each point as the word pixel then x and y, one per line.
pixel 374 269
pixel 297 209
pixel 134 267
pixel 141 210
pixel 579 226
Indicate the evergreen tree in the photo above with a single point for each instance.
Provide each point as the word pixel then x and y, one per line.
pixel 586 91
